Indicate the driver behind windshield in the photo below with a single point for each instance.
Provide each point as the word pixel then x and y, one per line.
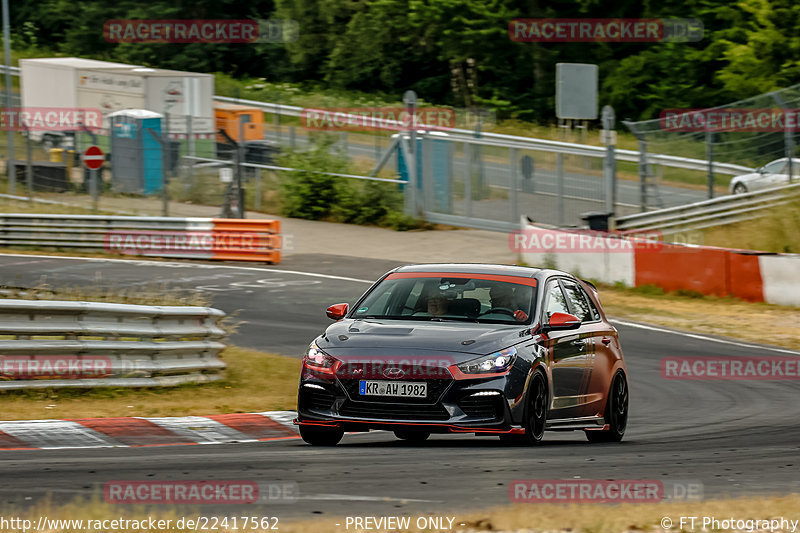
pixel 502 296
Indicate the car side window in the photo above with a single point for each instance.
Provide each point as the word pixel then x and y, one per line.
pixel 776 167
pixel 581 303
pixel 554 301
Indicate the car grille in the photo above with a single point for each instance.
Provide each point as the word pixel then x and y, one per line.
pixel 481 406
pixel 318 399
pixel 393 411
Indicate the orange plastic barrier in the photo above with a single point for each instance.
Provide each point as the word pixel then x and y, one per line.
pixel 684 267
pixel 744 276
pixel 707 270
pixel 246 240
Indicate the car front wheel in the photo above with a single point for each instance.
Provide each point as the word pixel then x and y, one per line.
pixel 536 411
pixel 739 188
pixel 321 436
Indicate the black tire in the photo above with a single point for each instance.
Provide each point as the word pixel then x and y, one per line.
pixel 616 412
pixel 412 436
pixel 739 188
pixel 321 436
pixel 536 409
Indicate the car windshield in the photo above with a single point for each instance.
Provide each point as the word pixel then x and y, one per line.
pixel 444 297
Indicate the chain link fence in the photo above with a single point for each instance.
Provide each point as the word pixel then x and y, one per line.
pixel 751 132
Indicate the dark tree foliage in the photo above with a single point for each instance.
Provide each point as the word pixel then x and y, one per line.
pixel 455 52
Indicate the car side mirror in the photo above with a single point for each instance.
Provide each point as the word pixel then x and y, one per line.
pixel 337 311
pixel 562 322
pixel 760 170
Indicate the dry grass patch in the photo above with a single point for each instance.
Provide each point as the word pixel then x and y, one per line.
pixel 255 381
pixel 729 317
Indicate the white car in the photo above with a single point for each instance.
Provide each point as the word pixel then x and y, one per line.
pixel 772 174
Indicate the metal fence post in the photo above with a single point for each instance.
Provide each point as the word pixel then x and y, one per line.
pixel 428 186
pixel 240 155
pixel 468 179
pixel 710 158
pixel 187 184
pixel 788 138
pixel 610 161
pixel 166 150
pixel 28 165
pixel 513 180
pixel 10 166
pixel 560 180
pixel 257 200
pixel 642 175
pixel 410 104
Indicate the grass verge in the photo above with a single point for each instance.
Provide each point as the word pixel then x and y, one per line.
pixel 255 381
pixel 729 317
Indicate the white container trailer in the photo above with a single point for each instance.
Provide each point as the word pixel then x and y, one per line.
pixel 86 83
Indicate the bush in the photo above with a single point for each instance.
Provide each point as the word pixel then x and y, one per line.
pixel 314 196
pixel 309 194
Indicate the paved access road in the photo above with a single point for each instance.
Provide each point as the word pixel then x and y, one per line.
pixel 738 438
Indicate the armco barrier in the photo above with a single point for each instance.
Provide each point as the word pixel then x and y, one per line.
pixel 47 343
pixel 749 275
pixel 195 238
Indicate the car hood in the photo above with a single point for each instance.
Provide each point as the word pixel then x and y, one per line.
pixel 356 336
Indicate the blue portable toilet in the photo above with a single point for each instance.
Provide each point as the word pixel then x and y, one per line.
pixel 137 159
pixel 441 162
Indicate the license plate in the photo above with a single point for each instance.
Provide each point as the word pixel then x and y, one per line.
pixel 406 389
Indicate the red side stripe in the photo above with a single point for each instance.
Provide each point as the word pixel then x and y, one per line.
pixel 10 442
pixel 519 280
pixel 133 431
pixel 255 426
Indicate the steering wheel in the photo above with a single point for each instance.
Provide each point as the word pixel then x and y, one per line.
pixel 505 310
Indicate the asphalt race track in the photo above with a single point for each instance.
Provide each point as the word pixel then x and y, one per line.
pixel 739 438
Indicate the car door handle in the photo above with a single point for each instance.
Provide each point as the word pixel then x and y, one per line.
pixel 606 341
pixel 579 343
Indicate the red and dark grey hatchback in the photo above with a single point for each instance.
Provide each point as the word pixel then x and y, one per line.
pixel 464 348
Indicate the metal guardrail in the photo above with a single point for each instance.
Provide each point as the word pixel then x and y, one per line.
pixel 710 213
pixel 49 343
pixel 193 237
pixel 529 143
pixel 14 71
pixel 227 162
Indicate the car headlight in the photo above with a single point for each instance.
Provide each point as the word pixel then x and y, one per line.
pixel 316 359
pixel 490 364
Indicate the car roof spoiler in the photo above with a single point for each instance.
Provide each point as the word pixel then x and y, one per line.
pixel 589 283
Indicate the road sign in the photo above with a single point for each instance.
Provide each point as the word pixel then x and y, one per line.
pixel 93 157
pixel 576 91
